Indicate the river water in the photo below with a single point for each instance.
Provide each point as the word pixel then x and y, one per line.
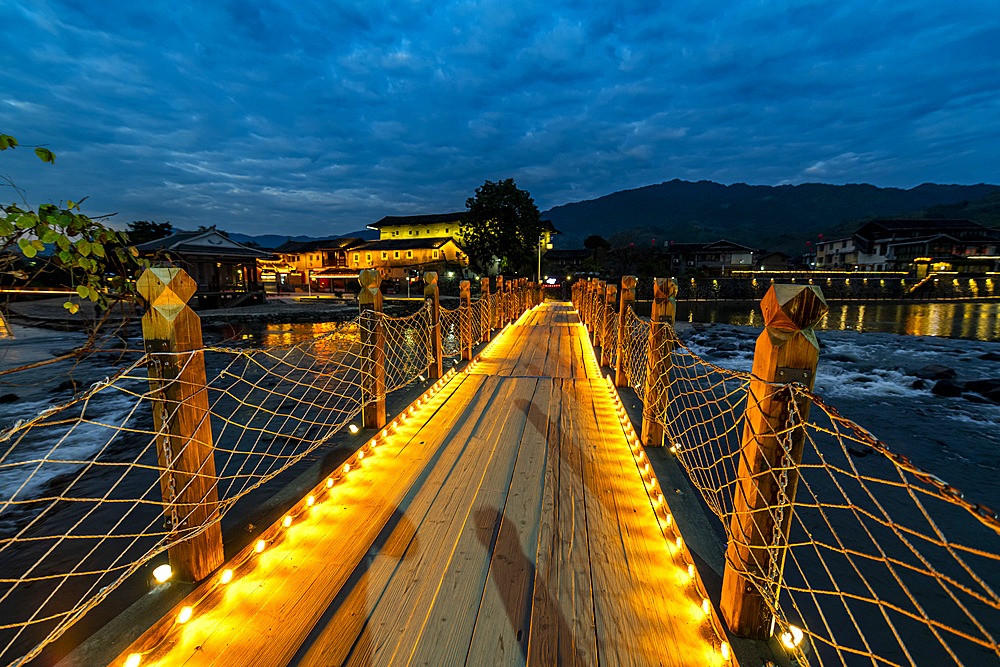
pixel 952 319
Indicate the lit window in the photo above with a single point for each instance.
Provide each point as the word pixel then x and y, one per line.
pixel 447 230
pixel 357 258
pixel 409 254
pixel 385 254
pixel 435 254
pixel 368 257
pixel 409 233
pixel 395 254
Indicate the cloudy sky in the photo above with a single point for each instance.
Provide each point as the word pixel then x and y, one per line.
pixel 319 117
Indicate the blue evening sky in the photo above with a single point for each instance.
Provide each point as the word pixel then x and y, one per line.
pixel 306 117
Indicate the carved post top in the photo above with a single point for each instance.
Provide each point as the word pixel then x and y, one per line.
pixel 370 297
pixel 612 292
pixel 484 285
pixel 167 290
pixel 792 309
pixel 430 278
pixel 500 281
pixel 369 277
pixel 628 285
pixel 464 288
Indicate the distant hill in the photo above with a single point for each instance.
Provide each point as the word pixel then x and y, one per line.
pixel 274 240
pixel 774 217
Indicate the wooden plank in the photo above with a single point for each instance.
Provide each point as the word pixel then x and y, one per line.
pixel 562 619
pixel 350 631
pixel 400 602
pixel 503 622
pixel 450 621
pixel 646 610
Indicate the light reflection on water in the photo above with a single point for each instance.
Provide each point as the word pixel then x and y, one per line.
pixel 978 321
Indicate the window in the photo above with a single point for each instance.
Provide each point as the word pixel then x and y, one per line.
pixel 428 231
pixel 409 233
pixel 385 254
pixel 395 254
pixel 409 254
pixel 434 254
pixel 357 258
pixel 447 230
pixel 368 257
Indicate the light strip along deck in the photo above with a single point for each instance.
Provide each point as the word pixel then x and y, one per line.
pixel 512 528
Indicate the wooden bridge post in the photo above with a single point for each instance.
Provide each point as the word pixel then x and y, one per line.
pixel 181 418
pixel 608 340
pixel 661 343
pixel 588 305
pixel 433 298
pixel 498 315
pixel 485 312
pixel 598 308
pixel 373 346
pixel 507 301
pixel 786 351
pixel 628 296
pixel 465 317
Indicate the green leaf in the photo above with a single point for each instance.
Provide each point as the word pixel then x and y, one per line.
pixel 45 155
pixel 70 205
pixel 67 304
pixel 83 245
pixel 97 249
pixel 7 141
pixel 23 243
pixel 30 251
pixel 83 291
pixel 73 308
pixel 5 227
pixel 63 242
pixel 37 245
pixel 66 256
pixel 24 221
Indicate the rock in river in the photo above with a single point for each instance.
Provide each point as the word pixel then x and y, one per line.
pixel 947 388
pixel 935 372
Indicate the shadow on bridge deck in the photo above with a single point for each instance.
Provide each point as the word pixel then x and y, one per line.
pixel 506 523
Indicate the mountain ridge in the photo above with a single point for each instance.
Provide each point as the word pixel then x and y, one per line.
pixel 778 217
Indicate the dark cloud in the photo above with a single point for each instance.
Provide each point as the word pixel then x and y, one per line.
pixel 316 117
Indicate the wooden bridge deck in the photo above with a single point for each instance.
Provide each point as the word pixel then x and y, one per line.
pixel 505 524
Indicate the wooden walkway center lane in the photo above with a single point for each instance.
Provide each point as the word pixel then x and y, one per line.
pixel 512 528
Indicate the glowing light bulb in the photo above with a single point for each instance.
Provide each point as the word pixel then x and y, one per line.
pixel 227 576
pixel 347 467
pixel 329 482
pixel 670 519
pixel 133 660
pixel 162 573
pixel 792 638
pixel 659 499
pixel 361 455
pixel 352 428
pixel 372 444
pixel 724 650
pixel 288 521
pixel 310 501
pixel 185 615
pixel 421 377
pixel 705 607
pixel 691 571
pixel 679 542
pixel 385 433
pixel 260 545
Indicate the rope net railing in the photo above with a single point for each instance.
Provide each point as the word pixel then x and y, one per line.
pixel 82 507
pixel 883 564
